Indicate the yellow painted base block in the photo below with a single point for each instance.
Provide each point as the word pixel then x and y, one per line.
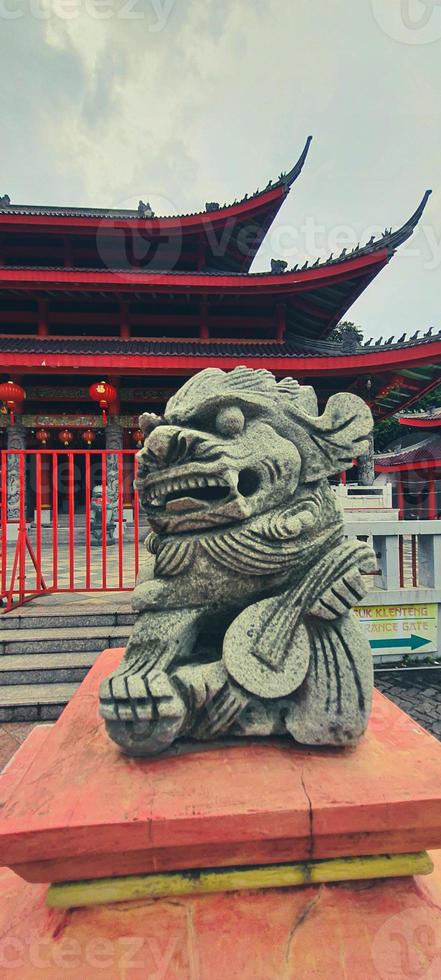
pixel 103 891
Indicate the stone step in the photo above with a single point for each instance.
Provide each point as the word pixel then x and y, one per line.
pixel 55 640
pixel 27 618
pixel 34 702
pixel 45 668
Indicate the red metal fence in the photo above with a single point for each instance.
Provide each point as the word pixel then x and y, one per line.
pixel 57 535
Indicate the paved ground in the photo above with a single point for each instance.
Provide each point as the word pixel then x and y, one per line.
pixel 11 736
pixel 416 691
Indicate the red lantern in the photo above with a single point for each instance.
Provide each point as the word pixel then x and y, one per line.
pixel 11 395
pixel 65 436
pixel 138 437
pixel 104 393
pixel 42 435
pixel 88 436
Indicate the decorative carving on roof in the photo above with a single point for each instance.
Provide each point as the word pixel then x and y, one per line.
pixel 212 206
pixel 145 211
pixel 278 266
pixel 5 201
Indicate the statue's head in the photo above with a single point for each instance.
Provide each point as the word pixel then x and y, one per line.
pixel 234 445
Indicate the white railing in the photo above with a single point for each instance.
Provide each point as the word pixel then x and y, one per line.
pixel 408 575
pixel 408 552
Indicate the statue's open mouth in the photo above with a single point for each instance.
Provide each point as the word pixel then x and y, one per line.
pixel 186 493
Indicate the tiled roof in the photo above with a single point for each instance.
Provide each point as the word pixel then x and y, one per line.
pixel 227 348
pixel 428 415
pixel 291 347
pixel 428 449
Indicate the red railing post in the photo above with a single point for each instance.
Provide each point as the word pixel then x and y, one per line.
pixel 120 520
pixel 38 503
pixel 4 520
pixel 71 498
pixel 136 515
pixel 414 561
pixel 104 521
pixel 55 521
pixel 401 560
pixel 87 517
pixel 22 526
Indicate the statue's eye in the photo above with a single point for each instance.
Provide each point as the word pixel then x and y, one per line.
pixel 230 421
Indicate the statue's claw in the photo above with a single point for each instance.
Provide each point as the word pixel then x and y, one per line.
pixel 340 597
pixel 144 713
pixel 125 698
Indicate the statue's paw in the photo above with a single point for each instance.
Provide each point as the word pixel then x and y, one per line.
pixel 142 698
pixel 345 593
pixel 167 700
pixel 125 697
pixel 143 714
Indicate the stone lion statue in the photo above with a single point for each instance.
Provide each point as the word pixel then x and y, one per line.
pixel 245 625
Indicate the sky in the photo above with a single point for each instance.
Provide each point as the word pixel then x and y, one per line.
pixel 179 102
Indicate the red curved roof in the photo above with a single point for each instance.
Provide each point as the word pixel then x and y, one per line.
pixel 430 419
pixel 246 222
pixel 423 455
pixel 399 375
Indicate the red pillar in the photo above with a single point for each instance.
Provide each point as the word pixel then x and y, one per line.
pixel 201 254
pixel 204 332
pixel 43 326
pixel 124 325
pixel 400 495
pixel 431 501
pixel 280 322
pixel 67 252
pixel 45 482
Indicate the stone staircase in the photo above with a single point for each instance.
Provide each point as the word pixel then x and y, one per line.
pixel 48 646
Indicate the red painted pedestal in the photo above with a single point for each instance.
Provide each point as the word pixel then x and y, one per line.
pixel 72 807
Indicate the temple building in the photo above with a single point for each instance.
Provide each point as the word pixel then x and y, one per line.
pixel 413 465
pixel 131 304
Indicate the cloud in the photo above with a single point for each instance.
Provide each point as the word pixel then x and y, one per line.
pixel 182 101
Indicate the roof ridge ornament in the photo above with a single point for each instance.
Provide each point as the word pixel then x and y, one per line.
pixel 288 178
pixel 144 210
pixel 5 201
pixel 278 266
pixel 401 235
